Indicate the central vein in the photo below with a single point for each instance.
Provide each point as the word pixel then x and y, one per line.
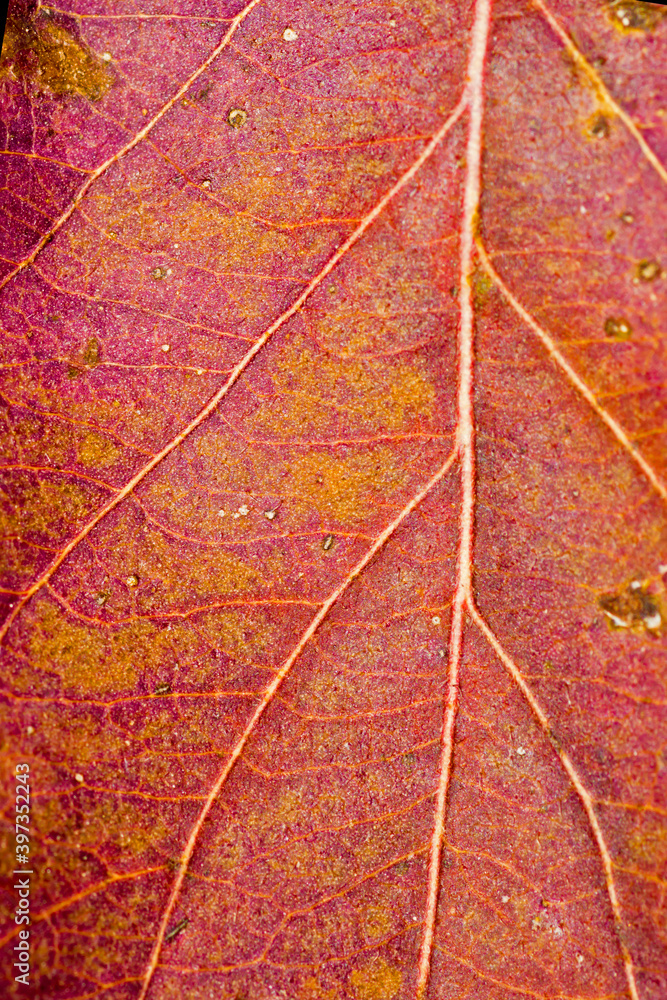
pixel 466 447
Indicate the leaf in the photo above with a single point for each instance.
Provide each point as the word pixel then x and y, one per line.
pixel 334 499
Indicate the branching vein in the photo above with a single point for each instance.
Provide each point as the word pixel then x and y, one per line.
pixel 582 792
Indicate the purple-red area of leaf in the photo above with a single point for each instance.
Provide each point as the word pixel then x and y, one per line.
pixel 333 498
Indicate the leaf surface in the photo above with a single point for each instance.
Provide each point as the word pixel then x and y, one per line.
pixel 335 427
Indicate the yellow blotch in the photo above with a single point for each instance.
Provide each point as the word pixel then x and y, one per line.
pixel 44 507
pixel 328 805
pixel 208 574
pixel 348 330
pixel 229 849
pixel 366 165
pixel 429 12
pixel 158 724
pixel 381 307
pixel 648 847
pixel 38 437
pixel 311 989
pixel 376 921
pixel 482 286
pixel 256 186
pixel 101 914
pixel 48 55
pixel 238 633
pixel 80 654
pixel 127 823
pixel 191 727
pixel 100 660
pixel 315 936
pixel 379 981
pixel 79 738
pixel 141 219
pixel 243 241
pixel 330 693
pixel 143 647
pixel 285 809
pixel 371 849
pixel 178 577
pixel 339 487
pixel 374 395
pixel 236 241
pixel 20 562
pixel 176 989
pixel 353 121
pixel 95 451
pixel 312 861
pixel 342 489
pixel 160 774
pixel 91 961
pixel 228 631
pixel 353 179
pixel 27 386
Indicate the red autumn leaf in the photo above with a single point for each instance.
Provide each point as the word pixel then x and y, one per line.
pixel 334 499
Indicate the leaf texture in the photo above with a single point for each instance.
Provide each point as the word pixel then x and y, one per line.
pixel 334 464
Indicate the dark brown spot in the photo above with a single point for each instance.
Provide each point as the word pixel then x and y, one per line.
pixel 555 742
pixel 237 117
pixel 204 92
pixel 617 327
pixel 633 608
pixel 180 926
pixel 91 355
pixel 600 127
pixel 632 15
pixel 47 54
pixel 648 270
